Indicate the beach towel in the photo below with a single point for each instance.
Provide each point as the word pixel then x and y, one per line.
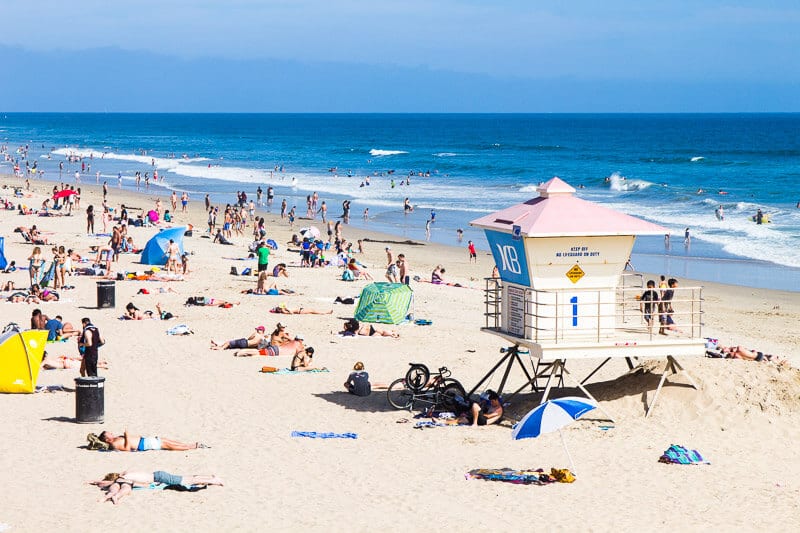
pixel 522 477
pixel 435 424
pixel 164 486
pixel 679 455
pixel 283 371
pixel 51 388
pixel 318 435
pixel 423 322
pixel 180 329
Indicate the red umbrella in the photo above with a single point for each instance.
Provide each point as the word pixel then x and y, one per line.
pixel 64 193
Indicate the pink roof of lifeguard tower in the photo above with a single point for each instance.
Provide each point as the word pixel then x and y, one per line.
pixel 557 212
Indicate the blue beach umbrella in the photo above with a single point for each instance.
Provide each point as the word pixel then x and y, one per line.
pixel 550 416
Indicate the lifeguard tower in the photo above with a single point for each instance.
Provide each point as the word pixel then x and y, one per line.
pixel 562 292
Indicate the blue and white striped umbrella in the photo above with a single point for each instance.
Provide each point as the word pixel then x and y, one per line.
pixel 552 415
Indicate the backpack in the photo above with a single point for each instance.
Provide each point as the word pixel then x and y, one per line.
pixel 347 275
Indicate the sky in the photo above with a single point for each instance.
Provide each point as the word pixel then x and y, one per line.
pixel 748 49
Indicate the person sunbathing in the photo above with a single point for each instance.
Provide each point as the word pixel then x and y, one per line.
pixel 63 362
pixel 272 347
pixel 45 295
pixel 283 310
pixel 353 328
pixel 250 342
pixel 117 486
pixel 206 301
pixel 739 352
pixel 262 288
pixel 131 443
pixel 22 296
pixel 133 313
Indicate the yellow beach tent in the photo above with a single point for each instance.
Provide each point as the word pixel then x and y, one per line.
pixel 21 354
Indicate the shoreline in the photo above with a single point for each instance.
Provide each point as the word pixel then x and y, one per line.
pixel 732 270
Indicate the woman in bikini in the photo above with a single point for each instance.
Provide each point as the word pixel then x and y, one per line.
pixel 35 263
pixel 283 310
pixel 45 295
pixel 301 362
pixel 353 328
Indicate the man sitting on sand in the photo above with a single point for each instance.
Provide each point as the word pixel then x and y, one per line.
pixel 130 443
pixel 117 486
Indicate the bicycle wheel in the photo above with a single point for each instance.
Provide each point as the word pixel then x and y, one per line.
pixel 417 377
pixel 399 395
pixel 453 395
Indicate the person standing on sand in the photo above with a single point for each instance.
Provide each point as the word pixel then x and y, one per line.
pixel 173 199
pixel 90 341
pixel 473 255
pixel 403 269
pixel 184 201
pixel 90 220
pixel 323 210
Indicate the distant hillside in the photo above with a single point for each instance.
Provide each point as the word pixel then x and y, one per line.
pixel 115 80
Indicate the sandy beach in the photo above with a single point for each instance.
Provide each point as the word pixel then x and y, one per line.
pixel 745 417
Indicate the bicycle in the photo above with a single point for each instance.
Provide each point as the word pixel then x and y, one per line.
pixel 419 386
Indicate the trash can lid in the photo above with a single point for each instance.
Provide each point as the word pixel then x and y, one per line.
pixel 106 282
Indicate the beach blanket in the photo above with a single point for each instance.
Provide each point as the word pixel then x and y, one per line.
pixel 283 371
pixel 318 435
pixel 51 388
pixel 164 486
pixel 435 424
pixel 180 329
pixel 679 455
pixel 522 477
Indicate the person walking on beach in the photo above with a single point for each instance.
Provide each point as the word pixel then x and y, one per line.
pixel 323 210
pixel 687 239
pixel 473 255
pixel 184 201
pixel 283 208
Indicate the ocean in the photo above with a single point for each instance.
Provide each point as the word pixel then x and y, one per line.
pixel 672 169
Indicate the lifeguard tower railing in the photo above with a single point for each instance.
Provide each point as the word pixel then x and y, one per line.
pixel 584 323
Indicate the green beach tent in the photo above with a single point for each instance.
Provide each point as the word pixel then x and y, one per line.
pixel 386 303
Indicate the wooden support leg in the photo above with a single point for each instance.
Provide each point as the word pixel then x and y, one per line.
pixel 673 367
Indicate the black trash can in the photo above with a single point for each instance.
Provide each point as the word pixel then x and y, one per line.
pixel 90 400
pixel 106 294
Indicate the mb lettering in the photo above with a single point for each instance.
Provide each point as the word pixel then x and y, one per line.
pixel 509 256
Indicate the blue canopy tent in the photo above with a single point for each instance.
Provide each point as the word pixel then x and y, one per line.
pixel 3 262
pixel 155 250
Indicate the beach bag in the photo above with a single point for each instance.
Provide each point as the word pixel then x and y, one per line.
pixel 347 275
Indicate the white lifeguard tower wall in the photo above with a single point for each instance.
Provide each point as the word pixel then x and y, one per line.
pixel 561 260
